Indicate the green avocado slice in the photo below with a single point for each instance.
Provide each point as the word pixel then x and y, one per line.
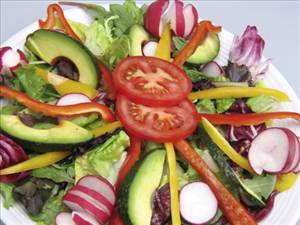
pixel 50 45
pixel 60 137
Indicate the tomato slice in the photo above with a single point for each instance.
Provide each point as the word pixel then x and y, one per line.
pixel 159 124
pixel 151 81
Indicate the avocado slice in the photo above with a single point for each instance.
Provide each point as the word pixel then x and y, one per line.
pixel 137 36
pixel 63 136
pixel 50 45
pixel 207 51
pixel 135 199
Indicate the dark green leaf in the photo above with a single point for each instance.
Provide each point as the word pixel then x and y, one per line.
pixel 34 85
pixel 11 108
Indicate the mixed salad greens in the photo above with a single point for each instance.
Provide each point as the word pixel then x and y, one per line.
pixel 129 120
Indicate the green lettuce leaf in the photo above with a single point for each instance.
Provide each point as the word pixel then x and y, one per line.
pixel 97 38
pixel 128 14
pixel 78 28
pixel 7 194
pixel 101 159
pixel 34 85
pixel 11 108
pixel 194 74
pixel 261 103
pixel 56 173
pixel 118 50
pixel 206 106
pixel 224 104
pixel 261 185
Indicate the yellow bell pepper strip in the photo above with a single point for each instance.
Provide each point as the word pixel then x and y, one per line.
pixel 203 28
pixel 175 213
pixel 163 50
pixel 247 119
pixel 237 92
pixel 108 128
pixel 54 110
pixel 49 23
pixel 233 210
pixel 285 181
pixel 36 162
pixel 66 86
pixel 225 146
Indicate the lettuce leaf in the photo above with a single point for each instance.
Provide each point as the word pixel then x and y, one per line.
pixel 56 173
pixel 206 106
pixel 34 85
pixel 261 103
pixel 102 158
pixel 128 14
pixel 7 194
pixel 261 185
pixel 97 38
pixel 224 104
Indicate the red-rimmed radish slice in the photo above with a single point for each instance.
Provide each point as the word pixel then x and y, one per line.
pixel 72 99
pixel 212 69
pixel 269 151
pixel 190 15
pixel 100 185
pixel 81 218
pixel 153 18
pixel 96 195
pixel 198 204
pixel 150 48
pixel 90 199
pixel 297 168
pixel 64 218
pixel 11 59
pixel 175 17
pixel 294 152
pixel 79 204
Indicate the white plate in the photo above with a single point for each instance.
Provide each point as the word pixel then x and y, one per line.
pixel 287 205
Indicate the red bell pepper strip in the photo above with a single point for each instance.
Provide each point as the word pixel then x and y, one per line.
pixel 248 118
pixel 107 81
pixel 235 213
pixel 116 218
pixel 132 157
pixel 203 28
pixel 53 110
pixel 50 21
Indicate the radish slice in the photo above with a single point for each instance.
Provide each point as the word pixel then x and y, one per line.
pixel 100 185
pixel 198 204
pixel 96 195
pixel 90 199
pixel 153 18
pixel 175 17
pixel 294 152
pixel 72 99
pixel 269 151
pixel 212 69
pixel 150 48
pixel 79 204
pixel 81 218
pixel 10 60
pixel 64 218
pixel 297 168
pixel 190 15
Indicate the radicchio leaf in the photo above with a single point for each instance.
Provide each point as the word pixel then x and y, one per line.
pixel 203 85
pixel 67 68
pixel 161 205
pixel 247 51
pixel 237 73
pixel 260 214
pixel 240 137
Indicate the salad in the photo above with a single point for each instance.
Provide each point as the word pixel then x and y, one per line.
pixel 131 121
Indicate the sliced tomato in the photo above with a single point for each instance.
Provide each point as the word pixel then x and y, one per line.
pixel 151 81
pixel 160 124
